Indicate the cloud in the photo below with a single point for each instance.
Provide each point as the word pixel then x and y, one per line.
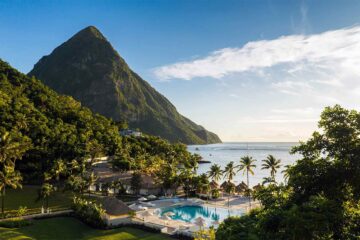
pixel 292 88
pixel 339 49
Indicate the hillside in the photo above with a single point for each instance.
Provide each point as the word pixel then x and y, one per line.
pixel 89 69
pixel 59 127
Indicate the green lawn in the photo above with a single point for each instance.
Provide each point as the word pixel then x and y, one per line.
pixel 27 197
pixel 70 228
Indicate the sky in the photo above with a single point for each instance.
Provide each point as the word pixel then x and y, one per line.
pixel 246 70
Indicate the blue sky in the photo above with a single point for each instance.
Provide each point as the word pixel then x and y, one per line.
pixel 247 70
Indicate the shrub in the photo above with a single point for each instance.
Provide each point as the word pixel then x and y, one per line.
pixel 132 214
pixel 21 211
pixel 15 223
pixel 215 193
pixel 89 212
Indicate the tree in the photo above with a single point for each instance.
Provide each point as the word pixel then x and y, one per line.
pixel 77 183
pixel 12 147
pixel 271 163
pixel 247 165
pixel 321 198
pixel 90 180
pixel 286 172
pixel 185 177
pixel 118 185
pixel 136 182
pixel 203 184
pixel 8 178
pixel 95 150
pixel 215 172
pixel 229 189
pixel 205 234
pixel 229 174
pixel 45 192
pixel 230 171
pixel 58 169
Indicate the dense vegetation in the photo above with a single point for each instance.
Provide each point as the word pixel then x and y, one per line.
pixel 59 131
pixel 57 139
pixel 89 212
pixel 321 198
pixel 89 69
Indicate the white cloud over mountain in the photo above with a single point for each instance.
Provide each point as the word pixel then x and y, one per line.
pixel 289 80
pixel 337 48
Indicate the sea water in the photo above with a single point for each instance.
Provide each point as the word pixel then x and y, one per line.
pixel 223 153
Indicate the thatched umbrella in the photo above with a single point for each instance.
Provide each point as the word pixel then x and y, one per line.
pixel 241 188
pixel 151 197
pixel 214 185
pixel 224 185
pixel 256 187
pixel 200 222
pixel 142 199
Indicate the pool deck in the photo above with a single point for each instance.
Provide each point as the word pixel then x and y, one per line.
pixel 152 217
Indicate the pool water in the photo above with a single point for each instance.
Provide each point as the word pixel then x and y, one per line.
pixel 209 214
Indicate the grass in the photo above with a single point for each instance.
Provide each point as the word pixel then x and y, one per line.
pixel 71 228
pixel 27 197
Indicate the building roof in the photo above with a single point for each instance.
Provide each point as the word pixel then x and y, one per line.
pixel 114 206
pixel 242 187
pixel 214 185
pixel 106 174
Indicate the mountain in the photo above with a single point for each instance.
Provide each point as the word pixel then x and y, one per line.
pixel 89 69
pixel 59 127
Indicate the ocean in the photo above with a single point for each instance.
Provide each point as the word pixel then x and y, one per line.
pixel 223 153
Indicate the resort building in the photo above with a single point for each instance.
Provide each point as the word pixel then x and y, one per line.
pixel 116 211
pixel 106 175
pixel 129 132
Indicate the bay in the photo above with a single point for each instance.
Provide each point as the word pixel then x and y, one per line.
pixel 223 153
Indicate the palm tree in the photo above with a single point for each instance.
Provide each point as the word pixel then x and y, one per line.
pixel 229 174
pixel 12 147
pixel 193 162
pixel 215 173
pixel 247 165
pixel 94 149
pixel 230 188
pixel 185 176
pixel 286 172
pixel 230 171
pixel 267 180
pixel 271 163
pixel 8 178
pixel 90 180
pixel 45 191
pixel 203 184
pixel 117 184
pixel 58 169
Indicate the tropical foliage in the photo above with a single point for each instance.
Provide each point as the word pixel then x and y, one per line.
pixel 321 199
pixel 89 212
pixel 58 139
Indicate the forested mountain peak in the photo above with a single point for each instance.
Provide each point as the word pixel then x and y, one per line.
pixel 89 69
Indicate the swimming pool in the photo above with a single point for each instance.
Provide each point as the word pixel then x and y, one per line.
pixel 189 213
